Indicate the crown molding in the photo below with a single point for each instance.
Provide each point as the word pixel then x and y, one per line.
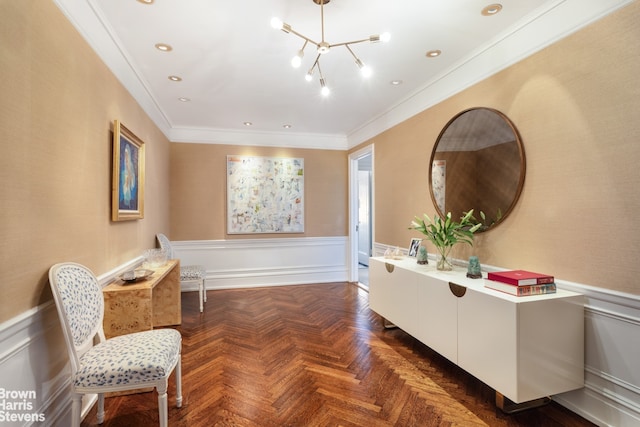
pixel 546 26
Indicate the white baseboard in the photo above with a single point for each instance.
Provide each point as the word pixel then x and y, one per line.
pixel 242 263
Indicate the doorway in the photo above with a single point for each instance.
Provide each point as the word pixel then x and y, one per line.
pixel 361 214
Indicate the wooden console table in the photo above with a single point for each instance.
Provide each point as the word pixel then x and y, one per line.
pixel 143 305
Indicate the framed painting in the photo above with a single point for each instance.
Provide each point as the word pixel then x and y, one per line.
pixel 127 190
pixel 265 195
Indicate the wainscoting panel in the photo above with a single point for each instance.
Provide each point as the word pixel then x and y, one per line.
pixel 242 263
pixel 612 359
pixel 33 366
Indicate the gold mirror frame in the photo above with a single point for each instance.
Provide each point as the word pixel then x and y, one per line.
pixel 478 163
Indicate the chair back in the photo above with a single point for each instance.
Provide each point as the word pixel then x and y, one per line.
pixel 80 304
pixel 165 244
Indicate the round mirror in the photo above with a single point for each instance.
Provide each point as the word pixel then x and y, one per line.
pixel 477 163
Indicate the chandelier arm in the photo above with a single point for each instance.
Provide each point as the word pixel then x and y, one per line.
pixel 322 18
pixel 316 62
pixel 351 52
pixel 348 43
pixel 292 31
pixel 319 70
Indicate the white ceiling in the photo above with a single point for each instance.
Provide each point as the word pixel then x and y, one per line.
pixel 235 67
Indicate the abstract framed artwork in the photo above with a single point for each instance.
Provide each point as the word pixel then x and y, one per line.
pixel 127 190
pixel 265 195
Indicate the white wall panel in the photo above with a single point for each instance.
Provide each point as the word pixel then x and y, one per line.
pixel 267 262
pixel 612 359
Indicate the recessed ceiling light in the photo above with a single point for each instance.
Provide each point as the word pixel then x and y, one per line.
pixel 183 99
pixel 248 124
pixel 146 1
pixel 433 53
pixel 286 126
pixel 492 9
pixel 175 78
pixel 396 82
pixel 163 47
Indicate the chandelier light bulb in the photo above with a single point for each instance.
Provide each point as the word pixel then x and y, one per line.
pixel 309 76
pixel 324 89
pixel 276 23
pixel 279 25
pixel 364 70
pixel 296 61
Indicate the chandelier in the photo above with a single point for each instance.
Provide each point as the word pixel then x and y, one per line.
pixel 323 47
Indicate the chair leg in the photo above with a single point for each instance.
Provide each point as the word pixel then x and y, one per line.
pixel 100 415
pixel 163 412
pixel 179 382
pixel 204 289
pixel 200 295
pixel 76 407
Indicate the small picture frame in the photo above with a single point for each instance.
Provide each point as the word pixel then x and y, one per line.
pixel 127 189
pixel 413 247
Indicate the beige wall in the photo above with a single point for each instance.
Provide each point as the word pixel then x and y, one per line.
pixel 198 190
pixel 577 107
pixel 574 103
pixel 58 102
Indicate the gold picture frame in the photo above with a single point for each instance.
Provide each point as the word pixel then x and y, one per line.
pixel 127 189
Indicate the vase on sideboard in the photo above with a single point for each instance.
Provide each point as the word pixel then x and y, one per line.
pixel 443 262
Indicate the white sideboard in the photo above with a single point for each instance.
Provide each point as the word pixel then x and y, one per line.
pixel 525 348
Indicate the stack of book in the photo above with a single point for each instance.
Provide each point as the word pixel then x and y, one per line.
pixel 521 282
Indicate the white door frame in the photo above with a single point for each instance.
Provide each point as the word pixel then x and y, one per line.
pixel 353 208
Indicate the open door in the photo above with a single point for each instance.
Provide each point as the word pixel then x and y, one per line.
pixel 364 211
pixel 361 214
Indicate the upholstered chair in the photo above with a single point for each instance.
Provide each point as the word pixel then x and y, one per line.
pixel 127 362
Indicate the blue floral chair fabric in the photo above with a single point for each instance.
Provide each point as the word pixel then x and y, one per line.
pixel 188 273
pixel 127 362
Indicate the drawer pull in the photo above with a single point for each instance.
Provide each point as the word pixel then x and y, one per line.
pixel 457 290
pixel 389 267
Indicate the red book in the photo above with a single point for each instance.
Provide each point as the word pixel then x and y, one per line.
pixel 520 277
pixel 521 291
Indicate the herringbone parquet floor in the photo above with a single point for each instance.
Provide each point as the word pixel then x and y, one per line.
pixel 314 355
